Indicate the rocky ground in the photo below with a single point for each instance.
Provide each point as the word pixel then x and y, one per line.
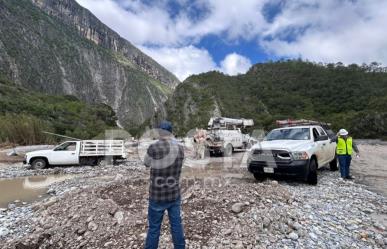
pixel 223 207
pixel 105 207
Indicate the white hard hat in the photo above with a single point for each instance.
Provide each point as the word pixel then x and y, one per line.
pixel 343 132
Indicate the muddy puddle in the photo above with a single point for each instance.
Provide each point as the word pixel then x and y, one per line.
pixel 26 189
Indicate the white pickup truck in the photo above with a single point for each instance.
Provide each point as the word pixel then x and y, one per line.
pixel 85 152
pixel 297 151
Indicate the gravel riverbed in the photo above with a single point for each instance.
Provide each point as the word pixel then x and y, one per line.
pixel 106 207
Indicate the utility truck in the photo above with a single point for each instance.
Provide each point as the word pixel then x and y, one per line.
pixel 297 148
pixel 227 134
pixel 83 152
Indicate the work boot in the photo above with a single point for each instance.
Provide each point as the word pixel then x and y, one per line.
pixel 349 178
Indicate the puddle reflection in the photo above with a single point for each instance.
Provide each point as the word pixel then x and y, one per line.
pixel 26 189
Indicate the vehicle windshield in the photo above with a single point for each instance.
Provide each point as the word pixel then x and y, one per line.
pixel 289 134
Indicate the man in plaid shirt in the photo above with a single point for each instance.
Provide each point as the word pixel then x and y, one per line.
pixel 165 160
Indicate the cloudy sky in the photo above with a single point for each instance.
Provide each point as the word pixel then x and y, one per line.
pixel 193 36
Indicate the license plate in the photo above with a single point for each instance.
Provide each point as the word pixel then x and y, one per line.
pixel 268 170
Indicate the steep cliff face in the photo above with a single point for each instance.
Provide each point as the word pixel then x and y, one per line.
pixel 92 29
pixel 58 47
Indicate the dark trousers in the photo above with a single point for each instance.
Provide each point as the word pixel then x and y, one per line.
pixel 344 162
pixel 155 217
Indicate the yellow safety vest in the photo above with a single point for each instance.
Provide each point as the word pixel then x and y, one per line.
pixel 344 147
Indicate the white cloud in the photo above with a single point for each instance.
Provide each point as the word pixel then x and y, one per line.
pixel 318 30
pixel 330 31
pixel 241 19
pixel 153 24
pixel 183 61
pixel 136 22
pixel 234 64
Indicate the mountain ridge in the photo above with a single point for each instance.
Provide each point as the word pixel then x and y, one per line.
pixel 352 97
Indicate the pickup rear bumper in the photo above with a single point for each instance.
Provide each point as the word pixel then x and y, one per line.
pixel 293 168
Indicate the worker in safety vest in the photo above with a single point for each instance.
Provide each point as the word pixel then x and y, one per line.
pixel 344 150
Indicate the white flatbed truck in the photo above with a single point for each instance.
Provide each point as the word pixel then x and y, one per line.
pixel 83 152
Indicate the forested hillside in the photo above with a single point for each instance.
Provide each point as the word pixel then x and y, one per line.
pixel 24 114
pixel 353 97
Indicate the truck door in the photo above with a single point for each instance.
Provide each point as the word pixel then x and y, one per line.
pixel 325 145
pixel 319 147
pixel 65 154
pixel 329 148
pixel 238 138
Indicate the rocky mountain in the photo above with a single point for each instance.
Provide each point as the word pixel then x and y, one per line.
pixel 351 96
pixel 59 47
pixel 25 113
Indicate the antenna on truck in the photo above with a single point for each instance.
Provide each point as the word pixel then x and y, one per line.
pixel 58 135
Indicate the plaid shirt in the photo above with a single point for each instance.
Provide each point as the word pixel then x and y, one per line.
pixel 165 159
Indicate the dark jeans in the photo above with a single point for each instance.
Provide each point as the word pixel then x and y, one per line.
pixel 155 217
pixel 344 162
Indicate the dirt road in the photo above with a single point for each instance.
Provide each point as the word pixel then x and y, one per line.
pixel 371 168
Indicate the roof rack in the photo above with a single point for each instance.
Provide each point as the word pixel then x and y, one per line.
pixel 290 122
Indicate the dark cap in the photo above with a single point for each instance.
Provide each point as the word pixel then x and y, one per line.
pixel 166 125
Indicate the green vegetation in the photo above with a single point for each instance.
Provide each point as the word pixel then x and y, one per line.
pixel 163 88
pixel 353 97
pixel 24 129
pixel 24 114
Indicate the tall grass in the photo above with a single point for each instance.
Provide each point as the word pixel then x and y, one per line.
pixel 22 129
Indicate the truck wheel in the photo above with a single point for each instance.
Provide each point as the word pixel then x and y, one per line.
pixel 228 150
pixel 333 165
pixel 312 172
pixel 247 145
pixel 38 163
pixel 259 176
